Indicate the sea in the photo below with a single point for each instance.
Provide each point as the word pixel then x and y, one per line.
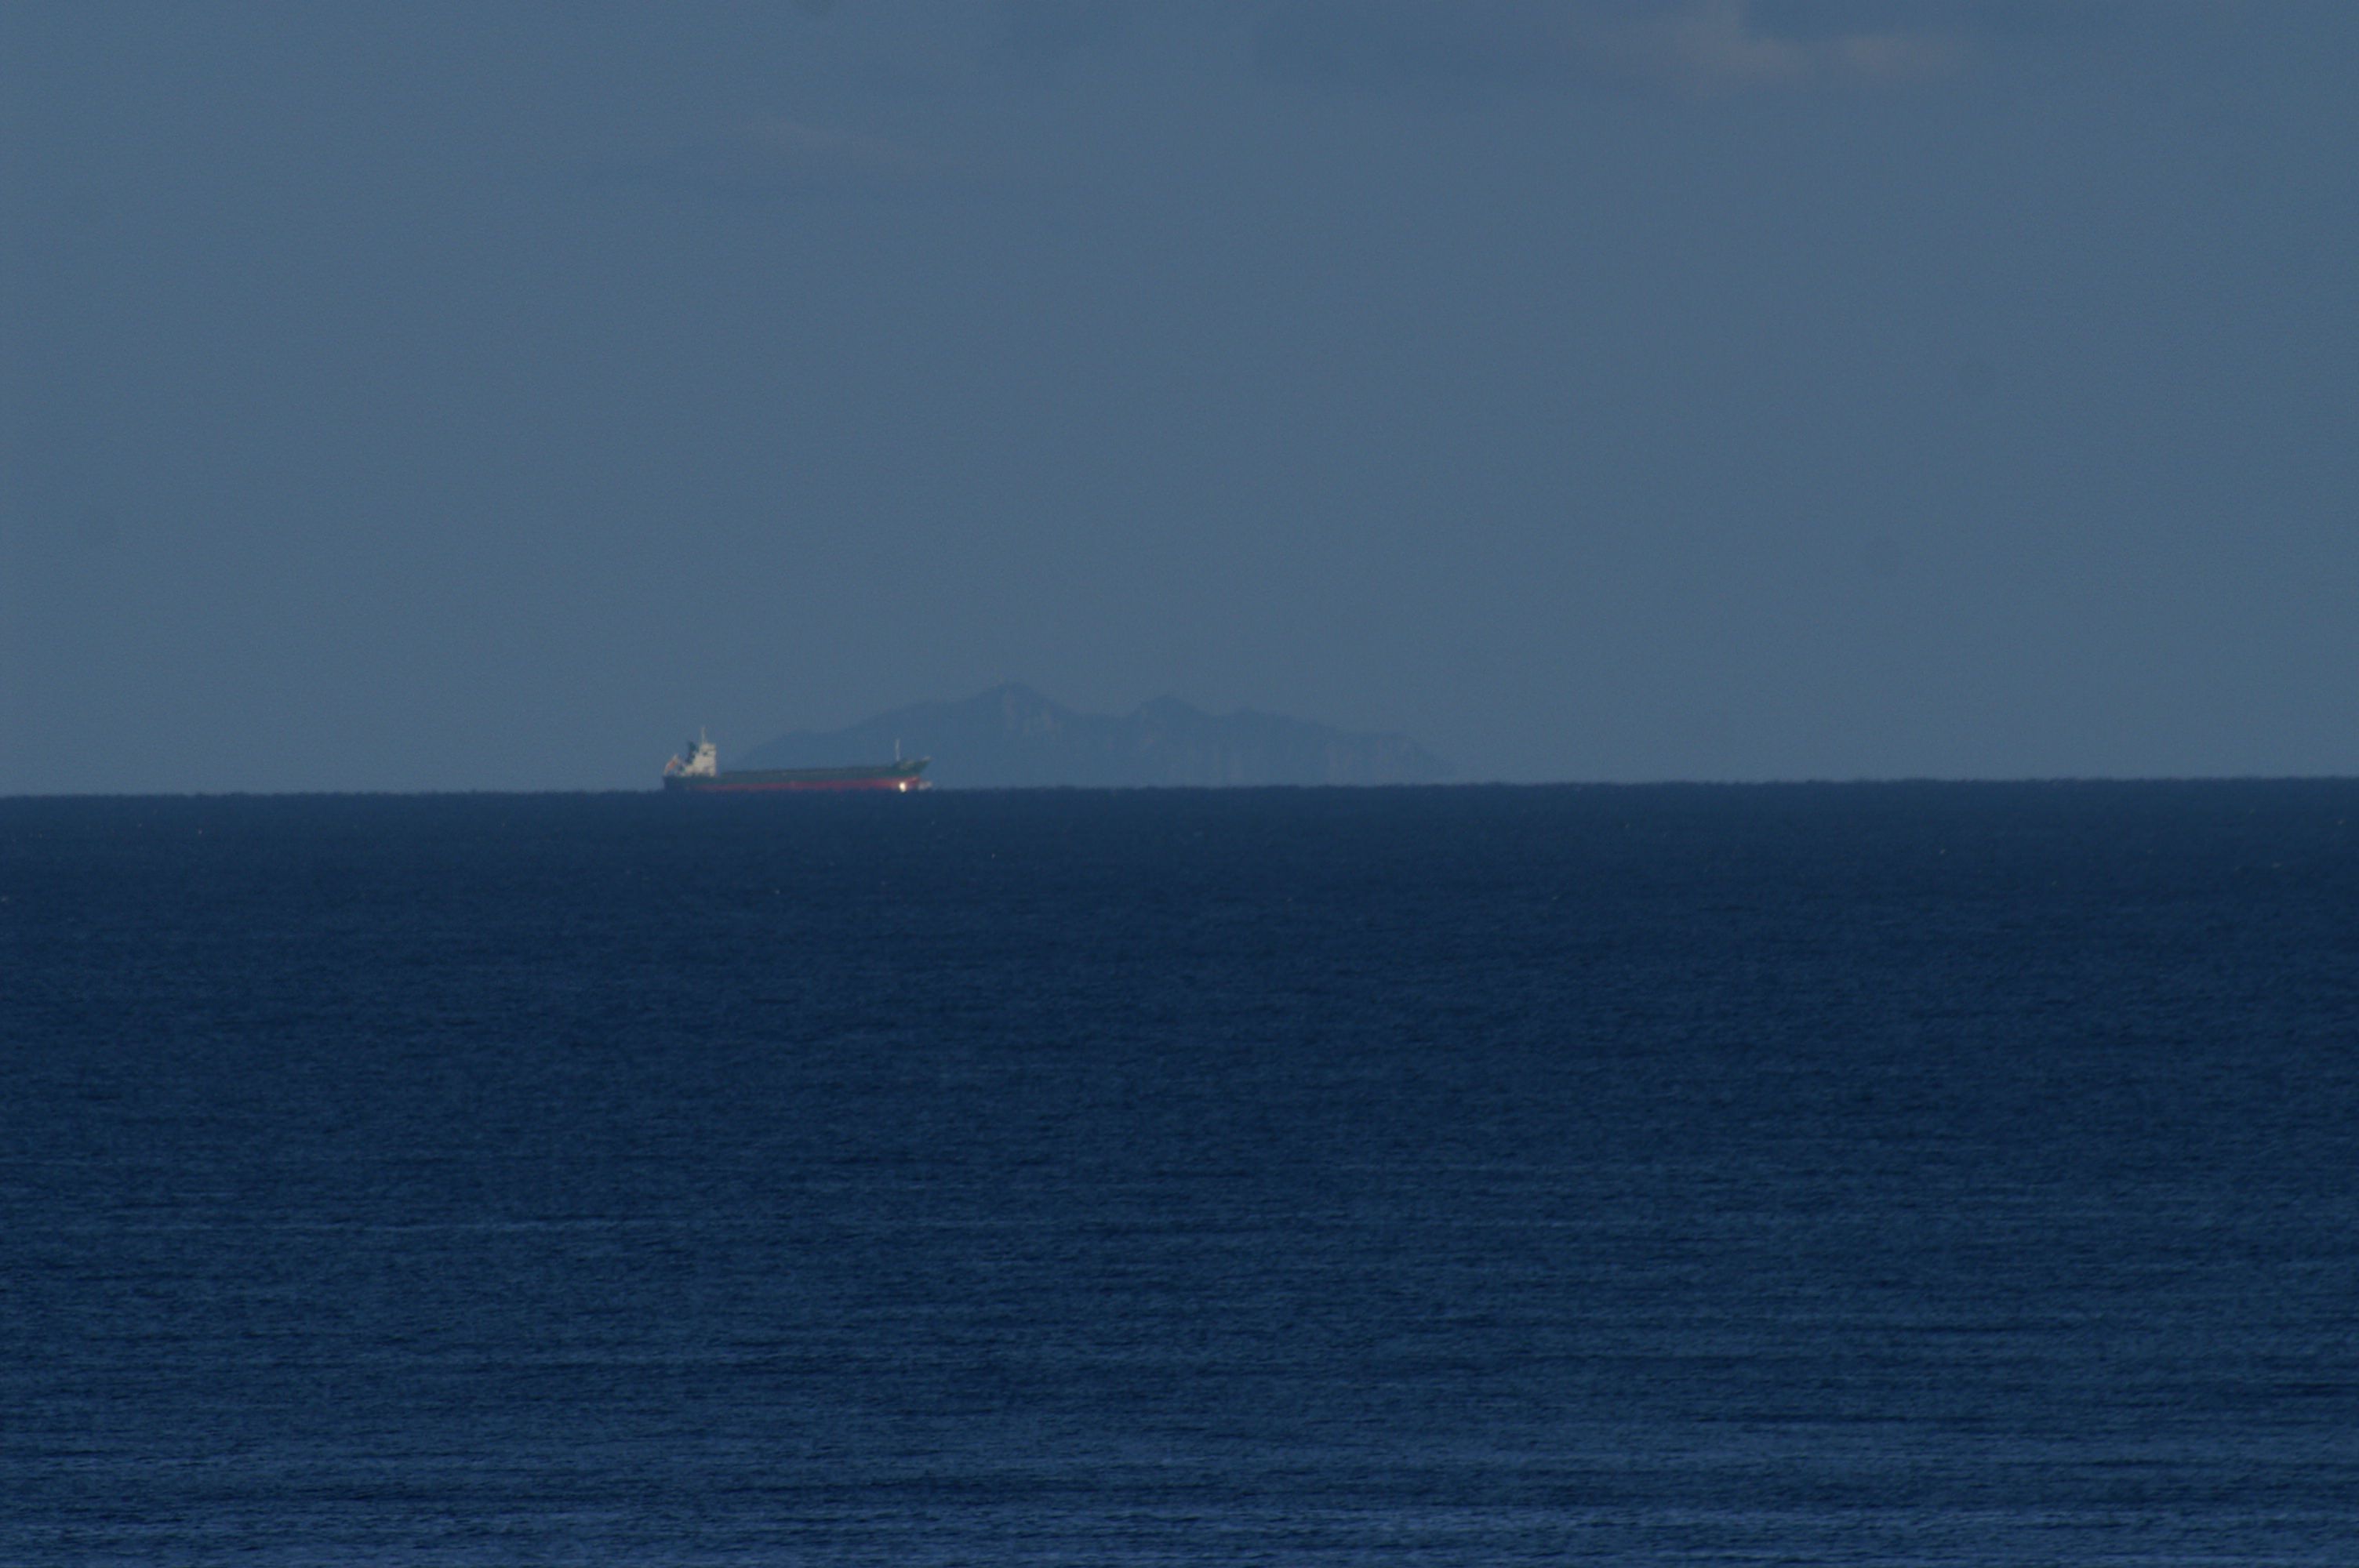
pixel 1851 1174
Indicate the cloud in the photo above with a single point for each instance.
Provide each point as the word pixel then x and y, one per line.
pixel 1482 47
pixel 1722 44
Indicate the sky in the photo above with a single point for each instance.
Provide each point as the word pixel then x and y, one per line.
pixel 435 395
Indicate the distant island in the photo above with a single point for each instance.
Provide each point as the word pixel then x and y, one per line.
pixel 1012 737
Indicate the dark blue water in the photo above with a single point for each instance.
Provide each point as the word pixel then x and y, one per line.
pixel 1820 1174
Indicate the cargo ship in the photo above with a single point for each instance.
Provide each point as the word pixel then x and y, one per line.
pixel 700 773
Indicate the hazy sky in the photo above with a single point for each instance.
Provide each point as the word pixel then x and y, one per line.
pixel 450 395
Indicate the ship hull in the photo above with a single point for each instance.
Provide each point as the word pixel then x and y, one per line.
pixel 892 778
pixel 726 785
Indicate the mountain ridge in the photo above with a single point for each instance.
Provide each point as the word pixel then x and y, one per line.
pixel 1011 736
